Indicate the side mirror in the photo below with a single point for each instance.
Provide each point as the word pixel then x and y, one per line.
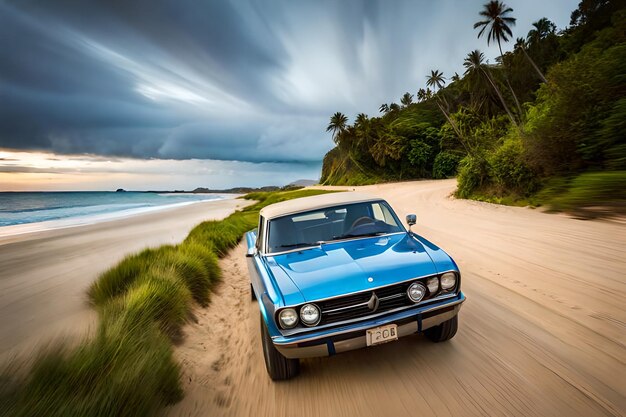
pixel 251 252
pixel 411 219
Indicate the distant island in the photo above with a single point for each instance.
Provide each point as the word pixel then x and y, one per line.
pixel 237 190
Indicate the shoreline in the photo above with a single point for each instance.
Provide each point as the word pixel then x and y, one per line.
pixel 90 219
pixel 44 275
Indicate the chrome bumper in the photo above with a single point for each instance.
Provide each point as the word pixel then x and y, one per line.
pixel 351 339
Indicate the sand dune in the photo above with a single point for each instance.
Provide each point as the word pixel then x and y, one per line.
pixel 44 275
pixel 542 333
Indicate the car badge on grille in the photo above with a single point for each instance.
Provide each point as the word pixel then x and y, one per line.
pixel 372 304
pixel 370 279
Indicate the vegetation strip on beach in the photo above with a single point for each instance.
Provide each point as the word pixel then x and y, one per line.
pixel 127 368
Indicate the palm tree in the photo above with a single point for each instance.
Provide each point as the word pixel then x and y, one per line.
pixel 474 62
pixel 522 45
pixel 421 95
pixel 393 107
pixel 542 29
pixel 384 108
pixel 498 21
pixel 435 79
pixel 362 132
pixel 455 77
pixel 475 68
pixel 495 13
pixel 338 124
pixel 361 120
pixel 407 99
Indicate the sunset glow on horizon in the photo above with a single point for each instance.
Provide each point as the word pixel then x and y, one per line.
pixel 42 171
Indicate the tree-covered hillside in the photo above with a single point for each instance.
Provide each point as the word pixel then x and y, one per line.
pixel 546 123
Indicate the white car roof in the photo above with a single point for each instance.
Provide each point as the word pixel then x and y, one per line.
pixel 315 202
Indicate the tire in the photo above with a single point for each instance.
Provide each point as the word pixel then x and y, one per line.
pixel 278 367
pixel 252 295
pixel 445 331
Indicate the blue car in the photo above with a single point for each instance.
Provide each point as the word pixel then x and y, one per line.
pixel 337 272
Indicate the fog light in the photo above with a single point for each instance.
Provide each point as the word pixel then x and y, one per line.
pixel 288 318
pixel 433 285
pixel 448 280
pixel 416 292
pixel 310 314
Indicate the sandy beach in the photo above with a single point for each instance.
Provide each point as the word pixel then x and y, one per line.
pixel 543 331
pixel 44 275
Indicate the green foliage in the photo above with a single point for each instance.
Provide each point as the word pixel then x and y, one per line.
pixel 445 165
pixel 552 107
pixel 576 122
pixel 509 171
pixel 420 154
pixel 584 192
pixel 612 136
pixel 375 149
pixel 473 173
pixel 488 134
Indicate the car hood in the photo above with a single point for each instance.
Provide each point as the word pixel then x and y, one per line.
pixel 350 266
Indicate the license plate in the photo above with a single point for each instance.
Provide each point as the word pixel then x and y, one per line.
pixel 382 334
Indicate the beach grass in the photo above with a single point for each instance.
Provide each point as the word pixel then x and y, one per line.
pixel 195 267
pixel 161 296
pixel 127 368
pixel 122 371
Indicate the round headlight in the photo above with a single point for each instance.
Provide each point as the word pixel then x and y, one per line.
pixel 416 292
pixel 310 314
pixel 433 285
pixel 288 318
pixel 448 280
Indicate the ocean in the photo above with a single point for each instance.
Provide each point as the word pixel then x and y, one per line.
pixel 31 207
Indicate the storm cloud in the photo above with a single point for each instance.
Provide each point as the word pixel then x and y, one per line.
pixel 251 81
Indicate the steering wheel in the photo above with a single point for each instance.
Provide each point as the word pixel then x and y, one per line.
pixel 361 221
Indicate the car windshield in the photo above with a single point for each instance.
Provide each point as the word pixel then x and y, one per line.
pixel 333 223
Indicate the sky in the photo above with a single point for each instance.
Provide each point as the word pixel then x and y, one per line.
pixel 98 95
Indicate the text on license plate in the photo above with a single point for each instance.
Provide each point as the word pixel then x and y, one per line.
pixel 382 334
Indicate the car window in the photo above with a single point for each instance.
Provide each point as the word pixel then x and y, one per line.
pixel 382 213
pixel 339 222
pixel 378 212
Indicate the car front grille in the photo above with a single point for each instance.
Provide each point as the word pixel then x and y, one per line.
pixel 365 303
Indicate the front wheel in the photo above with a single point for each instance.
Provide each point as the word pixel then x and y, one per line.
pixel 278 367
pixel 445 331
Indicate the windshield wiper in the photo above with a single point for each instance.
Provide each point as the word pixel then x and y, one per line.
pixel 350 235
pixel 300 244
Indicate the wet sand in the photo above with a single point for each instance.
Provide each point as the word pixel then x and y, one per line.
pixel 543 331
pixel 44 275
